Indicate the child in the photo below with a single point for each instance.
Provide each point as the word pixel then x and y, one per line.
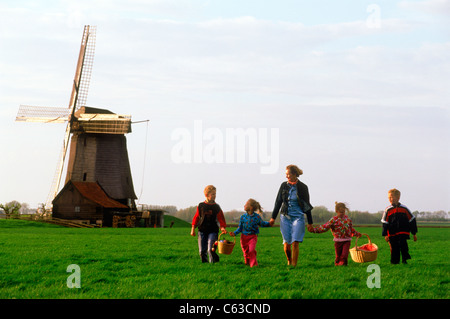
pixel 249 226
pixel 342 230
pixel 206 217
pixel 398 222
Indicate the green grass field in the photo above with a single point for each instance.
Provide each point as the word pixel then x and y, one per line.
pixel 164 264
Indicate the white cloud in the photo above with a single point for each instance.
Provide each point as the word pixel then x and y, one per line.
pixel 261 57
pixel 434 7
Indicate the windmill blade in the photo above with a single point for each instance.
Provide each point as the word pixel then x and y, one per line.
pixel 41 114
pixel 78 98
pixel 83 71
pixel 59 169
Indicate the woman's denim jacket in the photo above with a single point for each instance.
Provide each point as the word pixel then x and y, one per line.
pixel 282 201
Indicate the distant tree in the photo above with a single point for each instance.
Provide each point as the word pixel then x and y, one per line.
pixel 170 209
pixel 321 214
pixel 358 217
pixel 41 209
pixel 24 208
pixel 186 214
pixel 437 216
pixel 232 217
pixel 11 208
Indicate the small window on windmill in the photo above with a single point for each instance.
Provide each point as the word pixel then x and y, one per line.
pixel 84 177
pixel 77 209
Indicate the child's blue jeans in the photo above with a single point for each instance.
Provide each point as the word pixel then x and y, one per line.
pixel 205 244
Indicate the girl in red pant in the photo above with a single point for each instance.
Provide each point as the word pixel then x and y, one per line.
pixel 342 230
pixel 249 224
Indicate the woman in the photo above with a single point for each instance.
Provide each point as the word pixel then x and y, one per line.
pixel 293 202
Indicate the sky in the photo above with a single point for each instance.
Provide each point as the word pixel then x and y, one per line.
pixel 353 92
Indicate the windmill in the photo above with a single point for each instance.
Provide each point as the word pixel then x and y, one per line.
pixel 98 153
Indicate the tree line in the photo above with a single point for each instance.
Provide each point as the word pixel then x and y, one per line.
pixel 320 215
pixel 15 208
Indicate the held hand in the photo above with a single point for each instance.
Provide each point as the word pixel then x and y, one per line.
pixel 231 234
pixel 271 222
pixel 310 228
pixel 224 231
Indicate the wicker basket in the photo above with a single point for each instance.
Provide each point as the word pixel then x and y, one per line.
pixel 225 246
pixel 363 256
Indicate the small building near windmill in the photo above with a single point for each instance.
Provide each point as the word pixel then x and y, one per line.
pixel 153 218
pixel 86 201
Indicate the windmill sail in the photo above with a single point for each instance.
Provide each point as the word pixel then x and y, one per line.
pixel 40 114
pixel 78 98
pixel 80 88
pixel 83 71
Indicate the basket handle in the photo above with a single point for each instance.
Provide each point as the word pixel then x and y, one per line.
pixel 356 241
pixel 234 238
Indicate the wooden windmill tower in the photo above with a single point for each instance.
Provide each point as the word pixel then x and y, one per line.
pixel 98 168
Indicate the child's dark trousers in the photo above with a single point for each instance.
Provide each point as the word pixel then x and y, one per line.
pixel 399 246
pixel 342 249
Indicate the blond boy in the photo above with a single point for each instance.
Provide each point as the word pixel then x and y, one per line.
pixel 398 223
pixel 206 217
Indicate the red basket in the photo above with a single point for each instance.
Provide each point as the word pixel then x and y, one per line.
pixel 364 253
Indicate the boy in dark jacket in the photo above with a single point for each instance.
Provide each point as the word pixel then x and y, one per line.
pixel 207 216
pixel 398 222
